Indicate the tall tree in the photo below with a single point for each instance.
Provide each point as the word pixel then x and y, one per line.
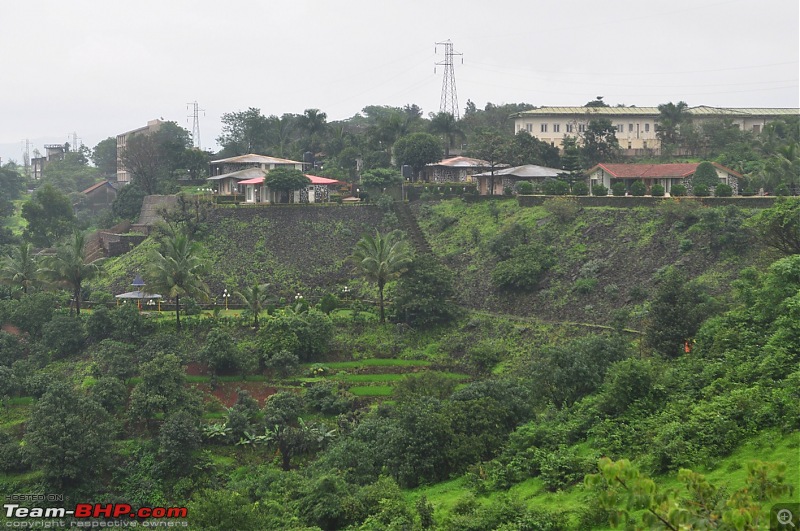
pixel 314 124
pixel 382 258
pixel 104 156
pixel 600 142
pixel 417 150
pixel 244 132
pixel 21 268
pixel 49 215
pixel 154 158
pixel 490 145
pixel 445 124
pixel 176 271
pixel 255 297
pixel 67 266
pixel 671 117
pixel 72 173
pixel 68 436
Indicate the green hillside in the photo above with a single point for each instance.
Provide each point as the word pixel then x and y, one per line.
pixel 665 340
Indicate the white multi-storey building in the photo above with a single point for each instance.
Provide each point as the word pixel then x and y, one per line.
pixel 636 126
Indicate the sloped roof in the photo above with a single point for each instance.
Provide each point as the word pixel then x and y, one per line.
pixel 463 162
pixel 678 170
pixel 247 173
pixel 701 110
pixel 322 180
pixel 313 178
pixel 529 171
pixel 252 158
pixel 96 186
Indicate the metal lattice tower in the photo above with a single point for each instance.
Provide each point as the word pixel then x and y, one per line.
pixel 195 116
pixel 449 102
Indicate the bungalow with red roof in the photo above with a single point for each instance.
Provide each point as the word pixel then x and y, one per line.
pixel 666 175
pixel 457 169
pixel 226 174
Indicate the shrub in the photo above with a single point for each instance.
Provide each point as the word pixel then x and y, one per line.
pixel 748 192
pixel 599 190
pixel 723 190
pixel 705 175
pixel 563 208
pixel 657 190
pixel 219 351
pixel 525 269
pixel 782 190
pixel 580 188
pixel 618 189
pixel 564 468
pixel 585 286
pixel 64 335
pixel 638 188
pixel 284 362
pixel 524 188
pixel 423 295
pixel 328 303
pixel 678 190
pixel 701 190
pixel 507 240
pixel 555 187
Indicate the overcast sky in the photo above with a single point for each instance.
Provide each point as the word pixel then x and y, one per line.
pixel 102 67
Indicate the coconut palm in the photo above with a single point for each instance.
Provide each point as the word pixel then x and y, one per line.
pixel 68 267
pixel 176 271
pixel 445 124
pixel 255 298
pixel 21 268
pixel 381 258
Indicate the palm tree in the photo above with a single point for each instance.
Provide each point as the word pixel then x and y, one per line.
pixel 176 271
pixel 671 118
pixel 21 268
pixel 445 124
pixel 68 268
pixel 255 298
pixel 381 258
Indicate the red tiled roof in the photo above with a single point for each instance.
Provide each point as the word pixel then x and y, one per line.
pixel 313 178
pixel 322 180
pixel 655 171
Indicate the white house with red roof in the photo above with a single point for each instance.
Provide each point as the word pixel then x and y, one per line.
pixel 667 175
pixel 226 174
pixel 317 191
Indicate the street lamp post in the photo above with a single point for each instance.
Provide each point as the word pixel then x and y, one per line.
pixel 226 296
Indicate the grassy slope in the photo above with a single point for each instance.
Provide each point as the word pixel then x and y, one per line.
pixel 729 472
pixel 621 248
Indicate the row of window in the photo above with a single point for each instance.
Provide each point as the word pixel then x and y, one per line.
pixel 570 128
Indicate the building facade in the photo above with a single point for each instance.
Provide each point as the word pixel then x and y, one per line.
pixel 123 175
pixel 636 126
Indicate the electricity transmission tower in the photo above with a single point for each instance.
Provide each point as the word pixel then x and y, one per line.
pixel 196 110
pixel 449 102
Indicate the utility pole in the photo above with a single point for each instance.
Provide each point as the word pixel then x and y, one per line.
pixel 195 116
pixel 449 102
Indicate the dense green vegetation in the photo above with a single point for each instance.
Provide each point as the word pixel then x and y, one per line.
pixel 486 402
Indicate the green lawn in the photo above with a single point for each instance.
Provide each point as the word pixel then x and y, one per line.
pixel 373 362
